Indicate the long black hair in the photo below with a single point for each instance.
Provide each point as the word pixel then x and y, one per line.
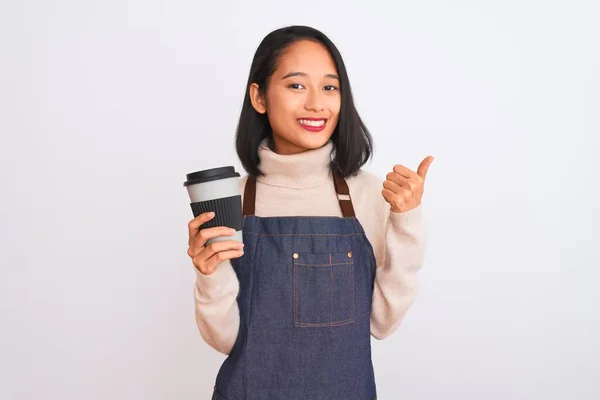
pixel 353 144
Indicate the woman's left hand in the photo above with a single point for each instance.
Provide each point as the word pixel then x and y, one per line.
pixel 403 188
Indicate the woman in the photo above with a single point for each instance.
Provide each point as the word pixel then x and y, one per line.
pixel 295 308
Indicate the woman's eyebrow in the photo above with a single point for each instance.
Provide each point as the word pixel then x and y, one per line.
pixel 333 76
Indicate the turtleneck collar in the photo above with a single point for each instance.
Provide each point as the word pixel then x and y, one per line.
pixel 296 171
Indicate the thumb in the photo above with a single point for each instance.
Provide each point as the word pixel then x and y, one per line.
pixel 424 166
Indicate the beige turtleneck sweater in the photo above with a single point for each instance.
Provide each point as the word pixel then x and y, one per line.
pixel 300 185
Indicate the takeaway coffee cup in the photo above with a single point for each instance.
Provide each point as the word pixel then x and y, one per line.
pixel 217 190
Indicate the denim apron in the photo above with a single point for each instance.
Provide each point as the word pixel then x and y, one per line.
pixel 306 286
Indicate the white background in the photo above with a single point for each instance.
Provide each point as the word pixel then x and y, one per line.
pixel 106 105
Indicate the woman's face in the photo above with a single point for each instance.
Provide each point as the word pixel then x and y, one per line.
pixel 303 98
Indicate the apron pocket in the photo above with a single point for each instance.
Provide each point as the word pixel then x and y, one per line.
pixel 323 289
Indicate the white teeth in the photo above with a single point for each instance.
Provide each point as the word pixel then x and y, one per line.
pixel 312 123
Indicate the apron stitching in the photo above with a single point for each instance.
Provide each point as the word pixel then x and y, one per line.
pixel 324 265
pixel 337 323
pixel 352 287
pixel 331 290
pixel 253 264
pixel 304 234
pixel 295 293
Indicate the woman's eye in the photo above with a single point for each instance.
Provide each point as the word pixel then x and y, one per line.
pixel 330 88
pixel 296 86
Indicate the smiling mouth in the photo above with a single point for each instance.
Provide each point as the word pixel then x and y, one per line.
pixel 312 123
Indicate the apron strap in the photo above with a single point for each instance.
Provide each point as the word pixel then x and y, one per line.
pixel 341 188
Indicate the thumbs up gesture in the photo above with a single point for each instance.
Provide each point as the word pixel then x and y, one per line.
pixel 403 188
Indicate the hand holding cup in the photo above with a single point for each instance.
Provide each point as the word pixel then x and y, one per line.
pixel 214 237
pixel 206 257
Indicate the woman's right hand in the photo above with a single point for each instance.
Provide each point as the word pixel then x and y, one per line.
pixel 207 258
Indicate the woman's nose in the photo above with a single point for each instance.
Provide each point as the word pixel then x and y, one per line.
pixel 314 101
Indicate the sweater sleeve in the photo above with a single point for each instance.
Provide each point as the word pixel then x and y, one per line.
pixel 396 278
pixel 217 312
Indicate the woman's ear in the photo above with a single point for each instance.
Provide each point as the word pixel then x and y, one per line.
pixel 257 99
